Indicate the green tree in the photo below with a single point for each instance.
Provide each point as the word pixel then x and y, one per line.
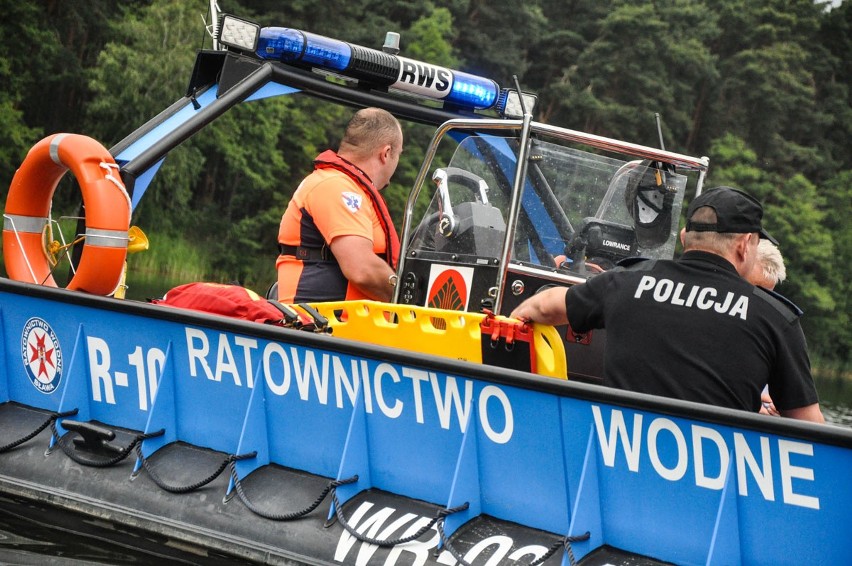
pixel 26 44
pixel 647 57
pixel 81 30
pixel 552 73
pixel 767 92
pixel 833 334
pixel 133 80
pixel 833 74
pixel 794 215
pixel 18 138
pixel 48 47
pixel 361 22
pixel 209 186
pixel 494 40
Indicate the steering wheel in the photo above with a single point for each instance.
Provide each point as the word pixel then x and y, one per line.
pixel 424 235
pixel 444 221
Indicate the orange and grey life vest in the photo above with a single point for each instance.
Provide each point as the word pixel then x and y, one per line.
pixel 318 276
pixel 330 160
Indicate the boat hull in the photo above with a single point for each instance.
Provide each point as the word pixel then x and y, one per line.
pixel 505 464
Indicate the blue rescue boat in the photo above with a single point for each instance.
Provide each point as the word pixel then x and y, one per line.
pixel 429 430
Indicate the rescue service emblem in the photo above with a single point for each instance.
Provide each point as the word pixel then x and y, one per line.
pixel 352 201
pixel 42 355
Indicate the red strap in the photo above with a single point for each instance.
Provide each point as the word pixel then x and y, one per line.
pixel 509 331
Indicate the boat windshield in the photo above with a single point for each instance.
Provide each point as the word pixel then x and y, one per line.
pixel 580 211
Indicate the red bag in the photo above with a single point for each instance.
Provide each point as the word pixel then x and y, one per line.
pixel 222 299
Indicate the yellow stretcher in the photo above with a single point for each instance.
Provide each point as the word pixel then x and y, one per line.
pixel 451 334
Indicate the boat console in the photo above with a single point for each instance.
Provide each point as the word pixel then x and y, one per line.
pixel 517 207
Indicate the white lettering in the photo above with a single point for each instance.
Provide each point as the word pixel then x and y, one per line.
pixel 303 378
pixel 420 549
pixel 369 527
pixel 417 376
pixel 741 308
pixel 347 540
pixel 509 428
pixel 676 300
pixel 284 386
pixel 99 362
pixel 502 543
pixel 708 445
pixel 723 307
pixel 705 303
pixel 199 353
pixel 667 291
pixel 617 427
pixel 691 298
pixel 451 396
pixel 663 290
pixel 155 359
pixel 156 363
pixel 789 471
pixel 324 374
pixel 247 344
pixel 647 282
pixel 136 360
pixel 700 433
pixel 365 553
pixel 381 371
pixel 225 361
pixel 536 550
pixel 341 379
pixel 763 476
pixel 368 391
pixel 617 245
pixel 671 474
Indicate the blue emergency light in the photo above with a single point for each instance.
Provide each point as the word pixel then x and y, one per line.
pixel 377 67
pixel 383 69
pixel 292 46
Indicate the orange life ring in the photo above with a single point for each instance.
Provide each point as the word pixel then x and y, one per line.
pixel 107 209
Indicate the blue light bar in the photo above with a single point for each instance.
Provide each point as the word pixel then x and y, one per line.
pixel 453 87
pixel 291 45
pixel 472 90
pixel 378 68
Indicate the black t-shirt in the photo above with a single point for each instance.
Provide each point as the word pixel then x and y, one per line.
pixel 694 329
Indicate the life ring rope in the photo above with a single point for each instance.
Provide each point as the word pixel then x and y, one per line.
pixel 28 209
pixel 115 180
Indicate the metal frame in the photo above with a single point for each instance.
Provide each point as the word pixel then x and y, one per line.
pixel 527 128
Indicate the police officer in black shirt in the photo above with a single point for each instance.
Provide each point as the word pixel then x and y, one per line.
pixel 694 328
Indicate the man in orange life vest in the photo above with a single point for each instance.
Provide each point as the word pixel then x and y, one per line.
pixel 336 240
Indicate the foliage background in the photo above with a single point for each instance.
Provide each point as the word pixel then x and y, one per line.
pixel 762 87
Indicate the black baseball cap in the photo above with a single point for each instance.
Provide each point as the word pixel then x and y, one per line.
pixel 736 212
